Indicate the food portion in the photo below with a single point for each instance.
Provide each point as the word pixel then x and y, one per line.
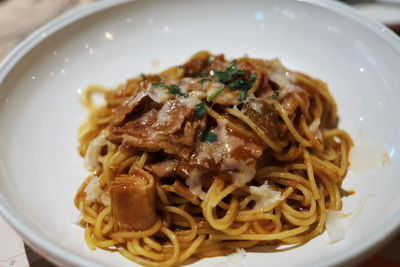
pixel 209 157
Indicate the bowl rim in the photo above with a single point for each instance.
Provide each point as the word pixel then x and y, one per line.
pixel 57 254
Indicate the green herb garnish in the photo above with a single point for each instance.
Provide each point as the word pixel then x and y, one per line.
pixel 205 79
pixel 159 84
pixel 214 94
pixel 206 136
pixel 275 95
pixel 242 96
pixel 222 76
pixel 210 60
pixel 143 77
pixel 181 66
pixel 175 90
pixel 200 110
pixel 234 77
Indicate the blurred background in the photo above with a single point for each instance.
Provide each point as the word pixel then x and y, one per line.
pixel 19 18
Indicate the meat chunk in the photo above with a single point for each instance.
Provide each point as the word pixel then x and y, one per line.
pixel 165 168
pixel 133 201
pixel 264 116
pixel 156 129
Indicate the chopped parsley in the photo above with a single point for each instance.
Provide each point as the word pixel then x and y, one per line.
pixel 205 79
pixel 252 99
pixel 214 94
pixel 181 66
pixel 275 95
pixel 242 96
pixel 200 110
pixel 175 90
pixel 234 77
pixel 143 77
pixel 222 76
pixel 206 136
pixel 159 84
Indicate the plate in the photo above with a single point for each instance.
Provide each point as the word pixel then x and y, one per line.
pixel 110 41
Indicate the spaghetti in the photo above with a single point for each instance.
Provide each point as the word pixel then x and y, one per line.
pixel 209 157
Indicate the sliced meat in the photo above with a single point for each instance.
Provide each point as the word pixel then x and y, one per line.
pixel 157 129
pixel 133 201
pixel 164 168
pixel 264 116
pixel 232 157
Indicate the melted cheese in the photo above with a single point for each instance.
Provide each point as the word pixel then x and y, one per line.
pixel 240 170
pixel 334 226
pixel 93 156
pixel 157 94
pixel 225 143
pixel 163 116
pixel 92 189
pixel 264 195
pixel 283 78
pixel 194 182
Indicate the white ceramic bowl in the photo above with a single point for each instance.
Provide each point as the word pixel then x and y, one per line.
pixel 109 41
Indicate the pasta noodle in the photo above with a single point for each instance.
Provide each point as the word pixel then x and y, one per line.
pixel 209 157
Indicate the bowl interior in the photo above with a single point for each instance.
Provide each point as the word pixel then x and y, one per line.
pixel 40 169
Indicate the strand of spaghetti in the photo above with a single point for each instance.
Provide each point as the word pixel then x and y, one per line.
pixel 272 236
pixel 226 220
pixel 301 214
pixel 191 249
pixel 310 173
pixel 89 210
pixel 335 203
pixel 299 221
pixel 344 163
pixel 317 229
pixel 161 194
pixel 302 105
pixel 327 167
pixel 88 238
pixel 328 154
pixel 142 160
pixel 317 111
pixel 104 243
pixel 189 218
pixel 311 137
pixel 282 112
pixel 235 112
pixel 292 154
pixel 152 243
pixel 99 220
pixel 268 207
pixel 145 252
pixel 237 231
pixel 263 216
pixel 215 191
pixel 215 200
pixel 89 219
pixel 107 228
pixel 307 195
pixel 327 133
pixel 172 260
pixel 283 174
pixel 141 234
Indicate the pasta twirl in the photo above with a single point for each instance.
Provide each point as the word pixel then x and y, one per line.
pixel 208 157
